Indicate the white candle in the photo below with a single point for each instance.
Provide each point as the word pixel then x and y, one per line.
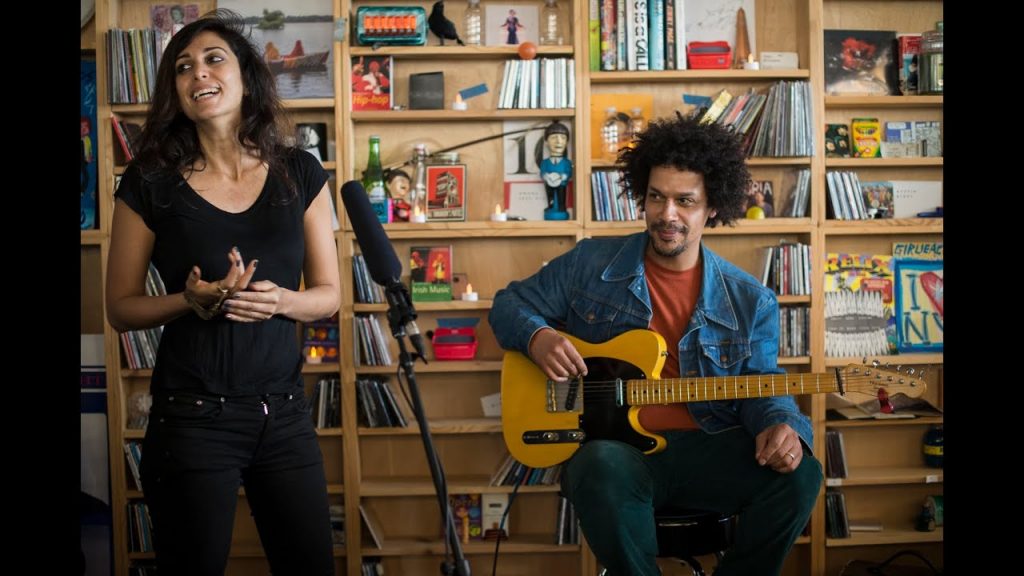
pixel 469 295
pixel 498 215
pixel 313 357
pixel 751 64
pixel 459 103
pixel 417 216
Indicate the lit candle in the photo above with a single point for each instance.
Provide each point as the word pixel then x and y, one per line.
pixel 459 103
pixel 469 295
pixel 314 357
pixel 417 216
pixel 751 64
pixel 498 215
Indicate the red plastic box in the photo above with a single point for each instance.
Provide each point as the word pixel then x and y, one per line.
pixel 454 343
pixel 708 55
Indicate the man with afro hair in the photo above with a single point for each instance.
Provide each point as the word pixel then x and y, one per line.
pixel 750 457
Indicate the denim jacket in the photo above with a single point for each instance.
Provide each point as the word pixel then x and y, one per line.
pixel 597 291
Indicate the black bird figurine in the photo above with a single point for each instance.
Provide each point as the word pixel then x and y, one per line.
pixel 441 26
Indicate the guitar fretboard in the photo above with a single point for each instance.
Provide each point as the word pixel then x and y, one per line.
pixel 675 390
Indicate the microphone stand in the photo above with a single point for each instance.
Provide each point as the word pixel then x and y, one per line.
pixel 401 313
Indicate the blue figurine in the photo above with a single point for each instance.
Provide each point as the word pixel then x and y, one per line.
pixel 556 170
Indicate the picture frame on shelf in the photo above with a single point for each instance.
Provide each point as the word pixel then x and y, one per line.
pixel 919 305
pixel 312 137
pixel 511 24
pixel 297 42
pixel 446 193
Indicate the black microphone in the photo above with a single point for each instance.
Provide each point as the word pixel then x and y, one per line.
pixel 383 264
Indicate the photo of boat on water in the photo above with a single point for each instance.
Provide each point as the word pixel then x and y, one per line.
pixel 295 37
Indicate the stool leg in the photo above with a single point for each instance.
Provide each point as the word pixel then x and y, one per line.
pixel 693 564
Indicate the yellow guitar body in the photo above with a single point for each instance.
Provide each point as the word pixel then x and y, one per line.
pixel 545 422
pixel 526 398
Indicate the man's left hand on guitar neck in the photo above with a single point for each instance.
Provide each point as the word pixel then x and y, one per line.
pixel 779 447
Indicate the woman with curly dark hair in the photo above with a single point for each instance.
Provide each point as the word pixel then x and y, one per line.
pixel 749 457
pixel 213 178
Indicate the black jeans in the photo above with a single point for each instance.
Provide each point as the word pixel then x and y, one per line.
pixel 200 448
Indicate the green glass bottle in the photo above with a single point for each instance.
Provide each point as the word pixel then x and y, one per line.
pixel 373 182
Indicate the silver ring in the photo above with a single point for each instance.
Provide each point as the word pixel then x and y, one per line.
pixel 790 454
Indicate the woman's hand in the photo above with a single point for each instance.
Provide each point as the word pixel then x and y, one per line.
pixel 209 294
pixel 258 302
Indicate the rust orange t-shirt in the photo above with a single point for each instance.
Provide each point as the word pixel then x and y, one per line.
pixel 674 296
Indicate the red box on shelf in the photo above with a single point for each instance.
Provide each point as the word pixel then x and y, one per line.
pixel 455 339
pixel 708 55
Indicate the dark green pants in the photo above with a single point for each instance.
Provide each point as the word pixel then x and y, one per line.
pixel 615 490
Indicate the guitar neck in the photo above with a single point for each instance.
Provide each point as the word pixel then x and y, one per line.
pixel 677 390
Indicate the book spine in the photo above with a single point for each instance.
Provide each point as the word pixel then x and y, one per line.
pixel 656 33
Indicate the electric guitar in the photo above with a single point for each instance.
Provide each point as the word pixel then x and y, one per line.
pixel 544 422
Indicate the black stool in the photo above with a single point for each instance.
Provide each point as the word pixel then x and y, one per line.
pixel 684 534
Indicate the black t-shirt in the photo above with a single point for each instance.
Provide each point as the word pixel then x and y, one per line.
pixel 219 356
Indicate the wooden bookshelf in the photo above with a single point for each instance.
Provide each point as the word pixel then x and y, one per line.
pixel 385 466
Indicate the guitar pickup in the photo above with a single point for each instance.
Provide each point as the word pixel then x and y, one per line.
pixel 553 436
pixel 564 396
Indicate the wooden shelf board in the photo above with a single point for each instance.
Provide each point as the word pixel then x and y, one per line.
pixel 440 426
pixel 743 227
pixel 883 162
pixel 92 237
pixel 309 104
pixel 649 77
pixel 794 360
pixel 526 544
pixel 430 306
pixel 256 551
pixel 130 109
pixel 883 227
pixel 459 116
pixel 436 366
pixel 322 368
pixel 904 536
pixel 759 161
pixel 794 299
pixel 454 51
pixel 488 229
pixel 397 487
pixel 867 422
pixel 896 359
pixel 764 226
pixel 330 432
pixel 882 101
pixel 136 373
pixel 888 475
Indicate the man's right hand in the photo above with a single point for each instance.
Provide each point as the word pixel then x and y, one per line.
pixel 556 356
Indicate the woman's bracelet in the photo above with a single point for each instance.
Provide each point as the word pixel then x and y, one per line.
pixel 200 310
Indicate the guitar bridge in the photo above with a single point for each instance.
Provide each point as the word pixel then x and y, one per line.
pixel 563 397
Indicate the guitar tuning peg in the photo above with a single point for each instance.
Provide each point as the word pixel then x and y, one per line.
pixel 899 367
pixel 863 359
pixel 911 371
pixel 920 374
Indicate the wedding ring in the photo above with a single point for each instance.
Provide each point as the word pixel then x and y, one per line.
pixel 790 454
pixel 222 289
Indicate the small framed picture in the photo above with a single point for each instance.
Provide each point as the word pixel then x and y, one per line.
pixel 312 137
pixel 446 193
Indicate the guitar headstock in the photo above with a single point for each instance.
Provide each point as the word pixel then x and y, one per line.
pixel 870 379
